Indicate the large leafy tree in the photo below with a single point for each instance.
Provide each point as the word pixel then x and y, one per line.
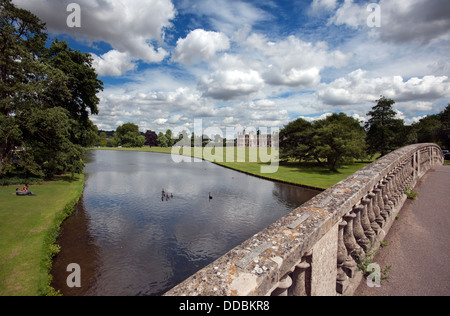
pixel 162 140
pixel 428 129
pixel 339 138
pixel 83 85
pixel 43 104
pixel 333 140
pixel 128 135
pixel 296 141
pixel 385 132
pixel 433 129
pixel 169 136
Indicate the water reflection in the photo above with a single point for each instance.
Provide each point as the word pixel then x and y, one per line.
pixel 133 243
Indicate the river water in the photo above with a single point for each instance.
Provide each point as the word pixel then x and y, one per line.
pixel 128 241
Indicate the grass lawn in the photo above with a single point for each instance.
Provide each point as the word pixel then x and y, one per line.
pixel 29 227
pixel 303 174
pixel 307 174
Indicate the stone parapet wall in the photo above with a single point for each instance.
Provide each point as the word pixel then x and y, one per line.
pixel 313 250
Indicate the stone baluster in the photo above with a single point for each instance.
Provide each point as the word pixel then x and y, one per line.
pixel 408 172
pixel 342 253
pixel 390 193
pixel 416 164
pixel 385 194
pixel 365 221
pixel 342 257
pixel 301 278
pixel 376 208
pixel 358 230
pixel 405 175
pixel 412 172
pixel 283 286
pixel 396 186
pixel 349 236
pixel 403 178
pixel 381 201
pixel 371 212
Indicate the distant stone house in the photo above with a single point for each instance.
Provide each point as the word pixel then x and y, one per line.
pixel 252 139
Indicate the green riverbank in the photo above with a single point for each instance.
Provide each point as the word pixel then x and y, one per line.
pixel 305 174
pixel 29 227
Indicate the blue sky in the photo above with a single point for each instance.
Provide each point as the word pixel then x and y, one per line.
pixel 242 63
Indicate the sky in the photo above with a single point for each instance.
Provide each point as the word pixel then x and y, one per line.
pixel 256 63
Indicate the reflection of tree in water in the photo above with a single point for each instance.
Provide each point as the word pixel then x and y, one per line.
pixel 293 195
pixel 76 247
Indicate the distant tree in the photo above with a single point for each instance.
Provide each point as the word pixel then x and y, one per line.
pixel 162 140
pixel 428 129
pixel 339 138
pixel 384 131
pixel 128 135
pixel 433 129
pixel 296 141
pixel 102 139
pixel 110 142
pixel 169 136
pixel 151 138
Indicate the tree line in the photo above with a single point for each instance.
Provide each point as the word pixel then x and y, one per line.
pixel 129 136
pixel 339 138
pixel 332 141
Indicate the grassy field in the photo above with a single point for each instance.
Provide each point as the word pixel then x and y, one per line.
pixel 306 174
pixel 29 227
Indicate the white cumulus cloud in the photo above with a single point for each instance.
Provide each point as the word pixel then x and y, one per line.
pixel 129 26
pixel 113 63
pixel 200 45
pixel 231 84
pixel 293 62
pixel 357 87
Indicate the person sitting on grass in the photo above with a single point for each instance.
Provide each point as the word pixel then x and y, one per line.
pixel 24 191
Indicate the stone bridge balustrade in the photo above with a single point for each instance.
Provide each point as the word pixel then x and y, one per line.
pixel 314 249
